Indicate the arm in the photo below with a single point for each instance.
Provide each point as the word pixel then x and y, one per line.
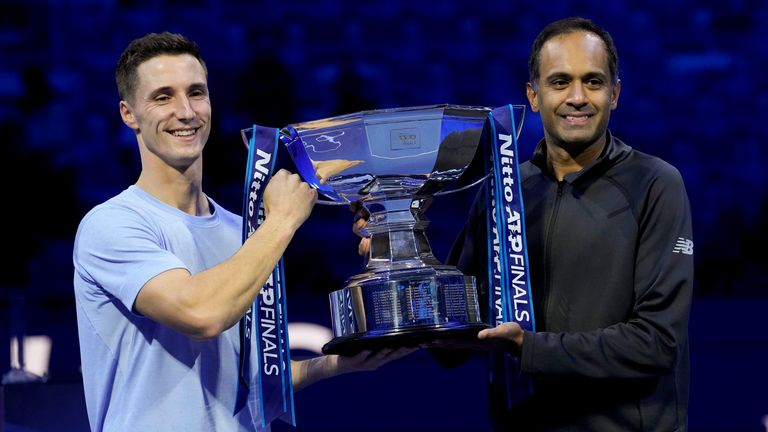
pixel 205 304
pixel 310 371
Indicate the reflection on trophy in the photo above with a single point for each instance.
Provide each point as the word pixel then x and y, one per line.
pixel 393 161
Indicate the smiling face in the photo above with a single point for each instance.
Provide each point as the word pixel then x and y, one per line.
pixel 573 93
pixel 170 111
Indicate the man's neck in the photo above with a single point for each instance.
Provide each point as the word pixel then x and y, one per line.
pixel 179 191
pixel 563 162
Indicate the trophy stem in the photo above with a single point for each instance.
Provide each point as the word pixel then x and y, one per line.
pixel 397 231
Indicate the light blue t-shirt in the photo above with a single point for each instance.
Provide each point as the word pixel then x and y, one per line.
pixel 140 375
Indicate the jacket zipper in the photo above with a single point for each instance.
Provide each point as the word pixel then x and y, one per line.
pixel 548 252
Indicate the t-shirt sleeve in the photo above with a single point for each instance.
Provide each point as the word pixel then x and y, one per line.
pixel 118 251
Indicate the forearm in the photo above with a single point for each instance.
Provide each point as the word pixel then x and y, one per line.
pixel 620 351
pixel 307 372
pixel 310 371
pixel 647 344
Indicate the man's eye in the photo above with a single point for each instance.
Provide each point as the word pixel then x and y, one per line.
pixel 162 98
pixel 595 83
pixel 559 84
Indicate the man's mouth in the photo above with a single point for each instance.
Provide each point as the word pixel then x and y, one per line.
pixel 184 132
pixel 577 119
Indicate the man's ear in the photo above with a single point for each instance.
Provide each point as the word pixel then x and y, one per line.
pixel 530 93
pixel 615 95
pixel 126 113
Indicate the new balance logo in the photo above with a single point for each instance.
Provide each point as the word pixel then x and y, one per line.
pixel 683 246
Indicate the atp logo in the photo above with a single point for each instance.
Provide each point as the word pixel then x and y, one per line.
pixel 683 246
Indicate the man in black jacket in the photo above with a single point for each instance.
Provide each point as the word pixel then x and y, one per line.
pixel 611 257
pixel 609 239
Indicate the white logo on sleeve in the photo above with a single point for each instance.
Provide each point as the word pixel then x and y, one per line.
pixel 683 246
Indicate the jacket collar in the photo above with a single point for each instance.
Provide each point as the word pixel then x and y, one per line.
pixel 614 151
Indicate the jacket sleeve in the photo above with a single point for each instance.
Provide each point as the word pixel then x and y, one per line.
pixel 649 342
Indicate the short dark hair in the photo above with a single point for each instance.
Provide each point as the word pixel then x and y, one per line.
pixel 570 25
pixel 146 48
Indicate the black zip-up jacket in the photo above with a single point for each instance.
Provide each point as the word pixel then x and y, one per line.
pixel 611 269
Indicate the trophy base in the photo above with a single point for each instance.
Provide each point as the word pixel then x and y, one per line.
pixel 411 337
pixel 409 307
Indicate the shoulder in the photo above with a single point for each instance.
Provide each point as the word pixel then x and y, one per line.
pixel 651 184
pixel 122 216
pixel 119 211
pixel 653 165
pixel 640 170
pixel 527 170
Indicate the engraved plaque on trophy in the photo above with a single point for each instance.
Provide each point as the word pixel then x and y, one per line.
pixel 394 161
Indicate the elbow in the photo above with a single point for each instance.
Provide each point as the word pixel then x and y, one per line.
pixel 184 310
pixel 669 356
pixel 204 334
pixel 664 354
pixel 202 326
pixel 201 320
pixel 657 347
pixel 666 361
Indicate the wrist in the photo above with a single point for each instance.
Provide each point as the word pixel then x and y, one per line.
pixel 282 228
pixel 323 367
pixel 331 366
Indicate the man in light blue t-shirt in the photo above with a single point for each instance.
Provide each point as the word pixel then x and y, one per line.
pixel 161 274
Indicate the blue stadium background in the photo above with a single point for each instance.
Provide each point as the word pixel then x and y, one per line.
pixel 694 91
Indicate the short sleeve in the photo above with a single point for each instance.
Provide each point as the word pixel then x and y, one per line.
pixel 118 251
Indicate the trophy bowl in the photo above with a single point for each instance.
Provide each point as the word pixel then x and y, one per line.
pixel 394 161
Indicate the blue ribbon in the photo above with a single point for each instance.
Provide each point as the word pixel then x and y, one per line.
pixel 508 279
pixel 268 311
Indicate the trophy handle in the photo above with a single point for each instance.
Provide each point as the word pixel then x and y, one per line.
pixel 473 184
pixel 313 181
pixel 519 111
pixel 519 127
pixel 321 199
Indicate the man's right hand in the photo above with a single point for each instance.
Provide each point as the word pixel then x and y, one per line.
pixel 288 198
pixel 506 337
pixel 361 220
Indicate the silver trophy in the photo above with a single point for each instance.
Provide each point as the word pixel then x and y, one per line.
pixel 394 161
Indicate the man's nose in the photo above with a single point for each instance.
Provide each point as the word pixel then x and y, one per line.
pixel 184 109
pixel 576 95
